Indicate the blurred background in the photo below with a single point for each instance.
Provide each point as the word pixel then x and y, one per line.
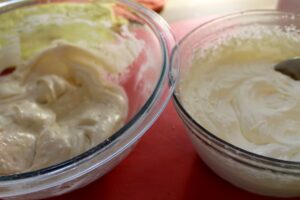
pixel 175 10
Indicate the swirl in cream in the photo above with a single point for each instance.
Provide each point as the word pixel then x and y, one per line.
pixel 55 107
pixel 233 91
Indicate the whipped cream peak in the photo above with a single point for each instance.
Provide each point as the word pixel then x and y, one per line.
pixel 232 89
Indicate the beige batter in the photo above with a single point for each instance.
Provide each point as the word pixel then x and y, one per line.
pixel 59 101
pixel 55 107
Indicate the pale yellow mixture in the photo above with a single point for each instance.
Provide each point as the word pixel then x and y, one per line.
pixel 232 90
pixel 59 102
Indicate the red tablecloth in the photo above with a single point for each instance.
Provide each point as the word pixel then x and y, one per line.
pixel 163 166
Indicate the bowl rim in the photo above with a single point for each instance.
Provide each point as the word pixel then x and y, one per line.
pixel 206 133
pixel 154 22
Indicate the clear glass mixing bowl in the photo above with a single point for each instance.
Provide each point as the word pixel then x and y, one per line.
pixel 244 169
pixel 149 84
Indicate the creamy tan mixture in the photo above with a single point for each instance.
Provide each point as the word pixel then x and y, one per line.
pixel 59 102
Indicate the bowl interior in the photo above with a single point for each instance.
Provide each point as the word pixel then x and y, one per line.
pixel 142 78
pixel 210 32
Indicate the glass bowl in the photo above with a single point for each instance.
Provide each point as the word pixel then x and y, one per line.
pixel 149 83
pixel 252 172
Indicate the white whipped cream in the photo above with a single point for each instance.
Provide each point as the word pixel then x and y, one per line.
pixel 232 90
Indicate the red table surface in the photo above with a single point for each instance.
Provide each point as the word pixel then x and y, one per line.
pixel 164 165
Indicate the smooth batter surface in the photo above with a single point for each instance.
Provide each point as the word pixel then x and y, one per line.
pixel 59 102
pixel 232 90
